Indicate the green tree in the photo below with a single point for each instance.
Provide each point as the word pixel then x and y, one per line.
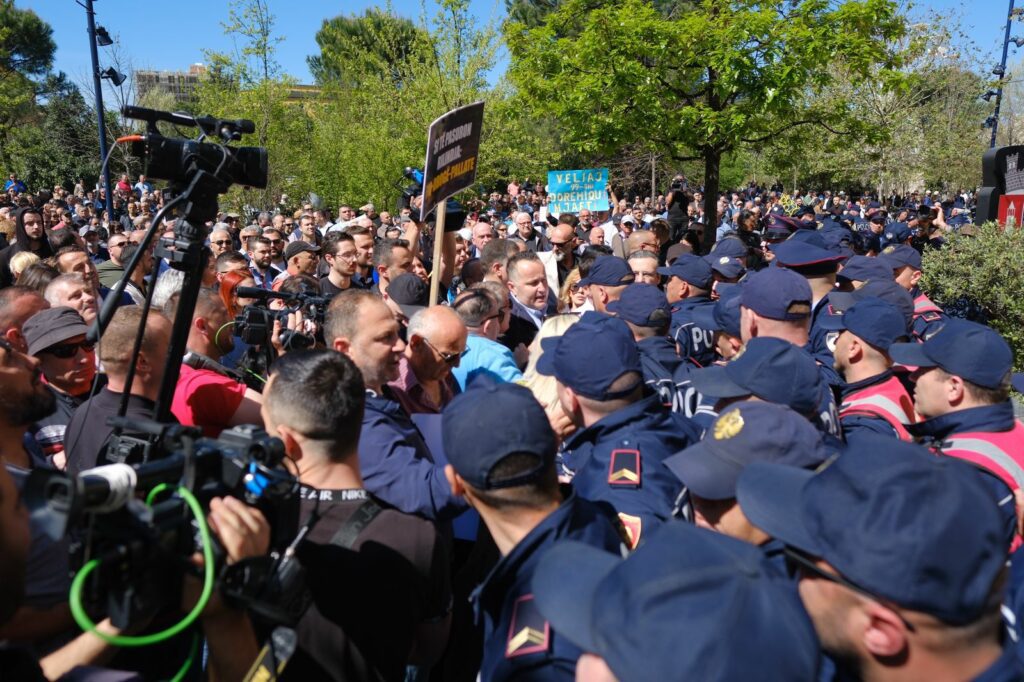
pixel 984 272
pixel 929 131
pixel 373 122
pixel 376 42
pixel 58 143
pixel 248 84
pixel 707 78
pixel 26 54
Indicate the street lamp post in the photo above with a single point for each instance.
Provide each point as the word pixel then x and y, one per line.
pixel 1002 75
pixel 100 124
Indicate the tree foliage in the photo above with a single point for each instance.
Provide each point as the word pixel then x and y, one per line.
pixel 57 145
pixel 708 78
pixel 375 43
pixel 26 55
pixel 928 129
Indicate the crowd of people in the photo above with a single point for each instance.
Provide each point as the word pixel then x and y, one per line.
pixel 603 451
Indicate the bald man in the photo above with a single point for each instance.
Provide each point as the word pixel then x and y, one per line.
pixel 562 239
pixel 436 341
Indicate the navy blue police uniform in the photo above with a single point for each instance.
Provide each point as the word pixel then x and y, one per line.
pixel 693 341
pixel 676 608
pixel 519 642
pixel 809 256
pixel 645 307
pixel 776 371
pixel 618 459
pixel 846 514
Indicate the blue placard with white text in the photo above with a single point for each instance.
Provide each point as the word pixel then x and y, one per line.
pixel 570 191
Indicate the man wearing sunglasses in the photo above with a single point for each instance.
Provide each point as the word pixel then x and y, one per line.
pixel 436 341
pixel 56 337
pixel 901 583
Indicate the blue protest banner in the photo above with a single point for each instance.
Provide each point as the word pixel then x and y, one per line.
pixel 570 191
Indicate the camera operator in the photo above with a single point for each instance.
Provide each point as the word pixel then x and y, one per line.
pixel 87 434
pixel 34 579
pixel 385 602
pixel 208 394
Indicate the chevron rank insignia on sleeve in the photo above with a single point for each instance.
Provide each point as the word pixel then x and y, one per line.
pixel 624 468
pixel 529 632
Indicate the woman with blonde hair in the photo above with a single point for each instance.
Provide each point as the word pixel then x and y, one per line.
pixel 20 261
pixel 544 388
pixel 572 298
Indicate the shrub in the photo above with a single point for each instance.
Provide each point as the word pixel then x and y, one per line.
pixel 982 274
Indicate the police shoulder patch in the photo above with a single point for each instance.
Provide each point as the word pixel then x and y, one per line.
pixel 632 526
pixel 528 632
pixel 624 468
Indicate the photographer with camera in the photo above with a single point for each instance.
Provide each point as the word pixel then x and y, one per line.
pixel 208 394
pixel 381 598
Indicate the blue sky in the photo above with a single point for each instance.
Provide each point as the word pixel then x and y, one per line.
pixel 170 36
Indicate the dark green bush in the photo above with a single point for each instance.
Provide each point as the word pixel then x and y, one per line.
pixel 986 273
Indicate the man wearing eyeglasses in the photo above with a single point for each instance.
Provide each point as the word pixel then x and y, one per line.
pixel 562 240
pixel 436 340
pixel 339 250
pixel 220 241
pixel 110 271
pixel 484 314
pixel 901 583
pixel 277 244
pixel 56 337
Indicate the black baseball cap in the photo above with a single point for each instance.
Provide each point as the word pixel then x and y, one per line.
pixel 52 326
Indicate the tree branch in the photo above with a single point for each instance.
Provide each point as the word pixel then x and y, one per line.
pixel 794 124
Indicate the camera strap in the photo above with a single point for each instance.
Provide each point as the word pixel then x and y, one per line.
pixel 283 642
pixel 346 536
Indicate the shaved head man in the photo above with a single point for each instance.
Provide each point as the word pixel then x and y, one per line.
pixel 436 342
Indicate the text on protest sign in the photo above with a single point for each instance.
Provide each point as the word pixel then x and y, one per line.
pixel 570 191
pixel 453 144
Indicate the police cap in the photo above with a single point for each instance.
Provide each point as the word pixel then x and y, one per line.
pixel 684 584
pixel 873 514
pixel 965 349
pixel 745 433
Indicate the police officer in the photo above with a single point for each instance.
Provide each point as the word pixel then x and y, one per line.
pixel 961 391
pixel 623 436
pixel 806 254
pixel 645 310
pixel 873 398
pixel 744 433
pixel 689 287
pixel 905 262
pixel 772 370
pixel 689 604
pixel 896 233
pixel 723 318
pixel 501 454
pixel 608 277
pixel 901 581
pixel 860 269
